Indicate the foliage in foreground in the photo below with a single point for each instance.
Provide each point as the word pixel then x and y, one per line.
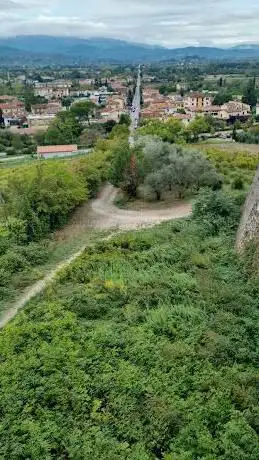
pixel 144 349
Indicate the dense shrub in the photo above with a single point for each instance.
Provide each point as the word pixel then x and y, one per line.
pixel 216 211
pixel 145 348
pixel 39 198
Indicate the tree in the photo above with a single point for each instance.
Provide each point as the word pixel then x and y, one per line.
pixel 196 127
pixel 83 110
pixel 109 125
pixel 30 98
pixel 119 131
pixel 155 183
pixel 2 124
pixel 178 175
pixel 234 132
pixel 222 97
pixel 130 96
pixel 180 170
pixel 65 129
pixel 125 119
pixel 250 96
pixel 121 161
pixel 167 89
pixel 171 131
pixel 66 102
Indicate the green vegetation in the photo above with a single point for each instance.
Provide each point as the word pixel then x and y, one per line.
pixel 37 199
pixel 65 129
pixel 144 349
pixel 167 89
pixel 174 131
pixel 83 110
pixel 170 131
pixel 249 136
pixel 16 144
pixel 232 165
pixel 154 167
pixel 250 95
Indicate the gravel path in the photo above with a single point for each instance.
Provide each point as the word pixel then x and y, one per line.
pixel 101 214
pixel 104 214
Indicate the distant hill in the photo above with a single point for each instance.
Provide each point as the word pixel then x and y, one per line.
pixel 46 49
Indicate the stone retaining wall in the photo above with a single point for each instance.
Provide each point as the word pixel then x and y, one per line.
pixel 249 224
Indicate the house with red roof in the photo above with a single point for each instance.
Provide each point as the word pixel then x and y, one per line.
pixel 56 151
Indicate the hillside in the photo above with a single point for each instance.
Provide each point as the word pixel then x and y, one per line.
pixel 42 49
pixel 143 349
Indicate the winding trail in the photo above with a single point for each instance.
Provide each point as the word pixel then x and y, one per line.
pixel 99 214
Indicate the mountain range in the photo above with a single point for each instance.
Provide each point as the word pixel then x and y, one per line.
pixel 45 49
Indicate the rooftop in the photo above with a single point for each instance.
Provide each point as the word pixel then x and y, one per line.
pixel 56 149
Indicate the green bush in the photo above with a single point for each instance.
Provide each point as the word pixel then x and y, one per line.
pixel 35 254
pixel 238 183
pixel 13 262
pixel 216 211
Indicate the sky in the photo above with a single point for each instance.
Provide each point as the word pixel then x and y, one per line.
pixel 169 23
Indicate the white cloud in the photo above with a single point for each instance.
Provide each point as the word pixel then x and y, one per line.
pixel 167 22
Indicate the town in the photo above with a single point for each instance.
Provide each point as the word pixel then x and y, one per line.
pixel 30 102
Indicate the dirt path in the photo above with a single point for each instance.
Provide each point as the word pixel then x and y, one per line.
pixel 98 214
pixel 104 214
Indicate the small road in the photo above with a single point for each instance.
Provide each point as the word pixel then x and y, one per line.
pixel 135 110
pixel 99 214
pixel 20 157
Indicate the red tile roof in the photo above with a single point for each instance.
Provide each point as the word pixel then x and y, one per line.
pixel 14 105
pixel 56 149
pixel 8 98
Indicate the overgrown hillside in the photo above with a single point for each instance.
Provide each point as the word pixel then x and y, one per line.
pixel 144 349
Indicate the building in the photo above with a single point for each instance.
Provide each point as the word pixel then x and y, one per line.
pixel 198 101
pixel 53 90
pixel 52 108
pixel 212 110
pixel 257 110
pixel 56 151
pixel 234 110
pixel 86 81
pixel 184 118
pixel 13 109
pixel 8 99
pixel 111 114
pixel 40 120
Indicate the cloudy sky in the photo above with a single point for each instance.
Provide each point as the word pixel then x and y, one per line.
pixel 164 22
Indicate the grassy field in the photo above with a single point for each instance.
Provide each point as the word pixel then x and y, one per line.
pixel 236 147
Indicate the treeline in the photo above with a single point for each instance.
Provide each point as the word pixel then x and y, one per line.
pixel 154 167
pixel 144 349
pixel 16 144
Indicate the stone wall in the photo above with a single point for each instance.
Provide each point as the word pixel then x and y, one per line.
pixel 249 225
